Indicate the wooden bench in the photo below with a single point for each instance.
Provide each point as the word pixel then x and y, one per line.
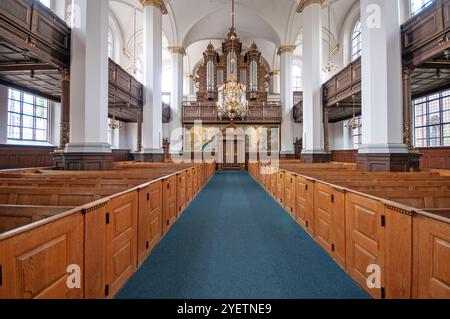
pixel 398 221
pixel 109 235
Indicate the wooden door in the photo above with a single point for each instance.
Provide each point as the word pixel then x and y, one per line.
pixel 304 212
pixel 289 193
pixel 150 219
pixel 181 193
pixel 169 203
pixel 431 268
pixel 365 238
pixel 35 263
pixel 121 241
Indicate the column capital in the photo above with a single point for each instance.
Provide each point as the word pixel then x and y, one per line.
pixel 304 3
pixel 156 3
pixel 275 72
pixel 286 49
pixel 177 50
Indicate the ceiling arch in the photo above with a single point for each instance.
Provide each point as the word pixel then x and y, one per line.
pixel 215 25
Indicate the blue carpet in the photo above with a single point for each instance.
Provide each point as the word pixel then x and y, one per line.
pixel 235 241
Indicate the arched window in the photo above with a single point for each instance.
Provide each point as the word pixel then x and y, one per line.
pixel 417 6
pixel 110 44
pixel 297 79
pixel 356 40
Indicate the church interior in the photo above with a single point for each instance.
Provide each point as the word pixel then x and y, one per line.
pixel 224 149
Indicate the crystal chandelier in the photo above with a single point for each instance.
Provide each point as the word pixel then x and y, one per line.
pixel 330 67
pixel 114 124
pixel 354 123
pixel 232 95
pixel 133 70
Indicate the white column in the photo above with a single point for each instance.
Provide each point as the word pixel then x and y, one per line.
pixel 347 137
pixel 152 134
pixel 3 114
pixel 89 79
pixel 382 113
pixel 276 81
pixel 60 8
pixel 187 84
pixel 287 100
pixel 176 98
pixel 313 137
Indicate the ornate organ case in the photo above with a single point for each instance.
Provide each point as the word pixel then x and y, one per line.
pixel 216 71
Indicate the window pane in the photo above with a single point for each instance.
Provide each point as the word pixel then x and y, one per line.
pixel 41 112
pixel 27 117
pixel 27 134
pixel 13 94
pixel 14 132
pixel 28 121
pixel 420 109
pixel 41 135
pixel 28 109
pixel 41 102
pixel 14 119
pixel 418 5
pixel 27 98
pixel 41 124
pixel 446 103
pixel 14 106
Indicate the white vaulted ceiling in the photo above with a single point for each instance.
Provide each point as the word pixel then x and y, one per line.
pixel 194 23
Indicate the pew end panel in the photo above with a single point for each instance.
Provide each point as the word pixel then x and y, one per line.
pixel 35 262
pixel 431 258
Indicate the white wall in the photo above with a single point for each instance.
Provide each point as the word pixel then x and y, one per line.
pixel 340 137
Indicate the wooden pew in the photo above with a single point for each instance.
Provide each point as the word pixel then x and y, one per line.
pixel 108 238
pixel 397 221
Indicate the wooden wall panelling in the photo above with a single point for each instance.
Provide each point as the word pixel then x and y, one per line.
pixel 435 157
pixel 304 212
pixel 12 156
pixel 365 239
pixel 169 203
pixel 181 193
pixel 121 241
pixel 149 219
pixel 273 184
pixel 431 261
pixel 348 156
pixel 34 263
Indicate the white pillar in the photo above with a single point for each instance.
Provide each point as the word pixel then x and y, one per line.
pixel 313 137
pixel 276 81
pixel 3 114
pixel 187 84
pixel 287 100
pixel 347 137
pixel 89 79
pixel 176 97
pixel 382 100
pixel 152 133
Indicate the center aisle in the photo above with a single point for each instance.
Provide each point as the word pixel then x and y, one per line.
pixel 235 241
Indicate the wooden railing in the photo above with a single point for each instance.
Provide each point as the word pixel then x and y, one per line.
pixel 29 24
pixel 426 34
pixel 343 85
pixel 207 112
pixel 124 88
